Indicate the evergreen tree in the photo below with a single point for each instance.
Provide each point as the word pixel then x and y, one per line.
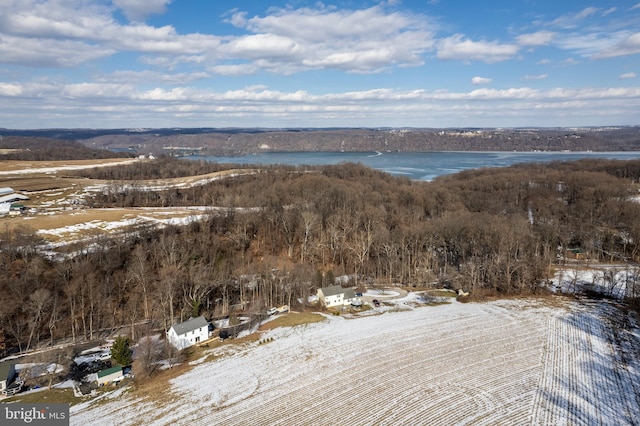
pixel 120 351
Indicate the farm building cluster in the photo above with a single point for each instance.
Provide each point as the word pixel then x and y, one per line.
pixel 11 201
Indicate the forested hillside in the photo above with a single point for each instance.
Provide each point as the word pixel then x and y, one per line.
pixel 287 231
pixel 242 141
pixel 48 149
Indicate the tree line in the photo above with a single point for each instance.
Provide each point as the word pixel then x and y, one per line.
pixel 287 231
pixel 32 148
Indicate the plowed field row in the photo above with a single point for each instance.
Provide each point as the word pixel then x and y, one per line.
pixel 582 383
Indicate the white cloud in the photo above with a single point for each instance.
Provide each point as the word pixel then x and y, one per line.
pixel 284 41
pixel 96 90
pixel 8 89
pixel 322 24
pixel 49 53
pixel 540 38
pixel 635 6
pixel 149 77
pixel 138 10
pixel 480 80
pixel 234 69
pixel 587 34
pixel 457 47
pixel 572 20
pixel 627 45
pixel 263 45
pixel 599 45
pixel 72 33
pixel 365 40
pixel 160 106
pixel 543 61
pixel 535 77
pixel 66 34
pixel 258 93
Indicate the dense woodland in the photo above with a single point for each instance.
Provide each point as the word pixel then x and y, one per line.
pixel 287 231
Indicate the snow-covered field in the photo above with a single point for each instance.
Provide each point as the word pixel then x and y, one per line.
pixel 508 362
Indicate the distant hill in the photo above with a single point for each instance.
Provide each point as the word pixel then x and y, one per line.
pixel 33 148
pixel 255 140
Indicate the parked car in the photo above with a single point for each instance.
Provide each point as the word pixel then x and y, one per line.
pixel 283 309
pixel 358 294
pixel 272 311
pixel 376 303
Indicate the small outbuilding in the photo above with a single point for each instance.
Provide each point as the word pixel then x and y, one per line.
pixel 575 253
pixel 110 375
pixel 7 374
pixel 188 333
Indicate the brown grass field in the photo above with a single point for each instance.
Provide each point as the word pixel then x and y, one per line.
pixel 49 188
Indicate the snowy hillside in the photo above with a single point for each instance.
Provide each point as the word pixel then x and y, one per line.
pixel 515 362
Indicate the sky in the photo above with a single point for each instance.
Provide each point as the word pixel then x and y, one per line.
pixel 351 63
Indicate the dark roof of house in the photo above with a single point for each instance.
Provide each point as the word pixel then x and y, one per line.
pixel 190 325
pixel 109 371
pixel 349 293
pixel 5 371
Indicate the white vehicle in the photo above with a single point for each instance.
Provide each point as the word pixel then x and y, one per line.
pixel 272 311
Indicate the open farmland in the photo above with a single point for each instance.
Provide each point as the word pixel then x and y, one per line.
pixel 57 211
pixel 508 362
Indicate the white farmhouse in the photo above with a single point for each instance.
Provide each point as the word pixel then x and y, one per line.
pixel 335 296
pixel 188 333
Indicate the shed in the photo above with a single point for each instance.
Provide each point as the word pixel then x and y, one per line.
pixel 109 375
pixel 7 374
pixel 575 253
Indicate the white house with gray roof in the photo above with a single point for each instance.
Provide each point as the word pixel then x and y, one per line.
pixel 335 296
pixel 188 333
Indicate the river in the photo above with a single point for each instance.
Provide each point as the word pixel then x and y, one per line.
pixel 415 165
